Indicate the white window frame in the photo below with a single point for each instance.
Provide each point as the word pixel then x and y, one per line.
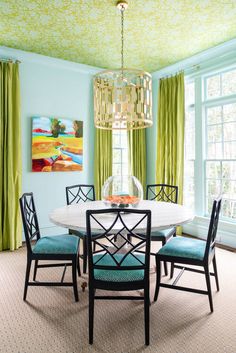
pixel 227 229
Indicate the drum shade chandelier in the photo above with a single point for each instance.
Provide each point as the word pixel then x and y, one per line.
pixel 122 97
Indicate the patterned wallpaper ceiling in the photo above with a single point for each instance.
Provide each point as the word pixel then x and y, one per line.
pixel 157 32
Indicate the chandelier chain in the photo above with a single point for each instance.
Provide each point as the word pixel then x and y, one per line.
pixel 122 42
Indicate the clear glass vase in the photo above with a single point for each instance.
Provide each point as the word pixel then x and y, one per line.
pixel 122 191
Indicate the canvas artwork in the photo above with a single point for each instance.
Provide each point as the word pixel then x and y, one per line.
pixel 57 144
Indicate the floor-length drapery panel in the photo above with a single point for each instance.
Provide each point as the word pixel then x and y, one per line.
pixel 170 140
pixel 137 154
pixel 103 159
pixel 10 157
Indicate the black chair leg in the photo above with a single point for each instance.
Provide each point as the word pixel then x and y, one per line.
pixel 216 273
pixel 35 270
pixel 165 263
pixel 78 266
pixel 27 274
pixel 172 269
pixel 146 315
pixel 158 279
pixel 208 283
pixel 74 277
pixel 91 314
pixel 84 255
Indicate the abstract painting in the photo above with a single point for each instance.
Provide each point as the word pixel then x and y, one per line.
pixel 57 144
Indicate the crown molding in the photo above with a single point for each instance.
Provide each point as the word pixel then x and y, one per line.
pixel 24 56
pixel 223 52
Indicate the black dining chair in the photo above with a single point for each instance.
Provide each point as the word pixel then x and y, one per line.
pixel 163 193
pixel 50 248
pixel 118 265
pixel 76 194
pixel 187 251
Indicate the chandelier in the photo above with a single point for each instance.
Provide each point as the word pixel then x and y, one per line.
pixel 122 97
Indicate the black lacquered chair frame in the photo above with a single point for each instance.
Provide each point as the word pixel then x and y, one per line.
pixel 75 194
pixel 209 256
pixel 32 232
pixel 166 193
pixel 95 284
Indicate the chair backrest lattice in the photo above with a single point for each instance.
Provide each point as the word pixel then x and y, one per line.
pixel 113 226
pixel 213 226
pixel 29 218
pixel 162 192
pixel 79 193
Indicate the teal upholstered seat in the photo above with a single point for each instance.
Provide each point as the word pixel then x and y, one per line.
pixel 118 275
pixel 184 247
pixel 58 244
pixel 165 233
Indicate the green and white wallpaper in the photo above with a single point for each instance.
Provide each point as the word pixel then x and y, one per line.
pixel 157 32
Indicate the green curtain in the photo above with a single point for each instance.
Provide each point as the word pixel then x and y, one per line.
pixel 170 140
pixel 103 159
pixel 10 157
pixel 137 154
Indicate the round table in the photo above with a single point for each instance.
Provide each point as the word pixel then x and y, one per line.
pixel 164 215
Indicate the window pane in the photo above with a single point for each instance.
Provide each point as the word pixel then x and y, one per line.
pixel 124 140
pixel 230 150
pixel 190 93
pixel 214 115
pixel 125 169
pixel 230 131
pixel 228 209
pixel 189 193
pixel 229 112
pixel 189 169
pixel 213 170
pixel 116 169
pixel 214 133
pixel 213 188
pixel 213 86
pixel 229 83
pixel 116 140
pixel 229 189
pixel 214 151
pixel 229 170
pixel 116 156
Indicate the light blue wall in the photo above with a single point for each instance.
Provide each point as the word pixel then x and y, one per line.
pixel 48 91
pixel 51 87
pixel 151 136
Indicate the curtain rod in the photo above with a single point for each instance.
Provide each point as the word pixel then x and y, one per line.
pixel 10 60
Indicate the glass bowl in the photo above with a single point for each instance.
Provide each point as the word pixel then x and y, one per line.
pixel 122 191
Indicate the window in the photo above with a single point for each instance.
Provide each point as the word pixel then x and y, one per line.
pixel 120 152
pixel 210 162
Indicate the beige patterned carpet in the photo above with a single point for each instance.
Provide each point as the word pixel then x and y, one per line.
pixel 50 321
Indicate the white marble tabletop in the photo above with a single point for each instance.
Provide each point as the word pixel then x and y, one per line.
pixel 164 215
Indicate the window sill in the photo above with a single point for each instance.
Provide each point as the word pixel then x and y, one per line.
pixel 226 233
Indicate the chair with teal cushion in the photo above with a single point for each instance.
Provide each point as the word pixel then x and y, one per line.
pixel 195 252
pixel 76 194
pixel 163 193
pixel 50 248
pixel 116 263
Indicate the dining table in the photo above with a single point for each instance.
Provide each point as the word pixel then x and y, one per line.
pixel 163 215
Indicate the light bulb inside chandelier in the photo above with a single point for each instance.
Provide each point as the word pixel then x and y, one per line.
pixel 122 97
